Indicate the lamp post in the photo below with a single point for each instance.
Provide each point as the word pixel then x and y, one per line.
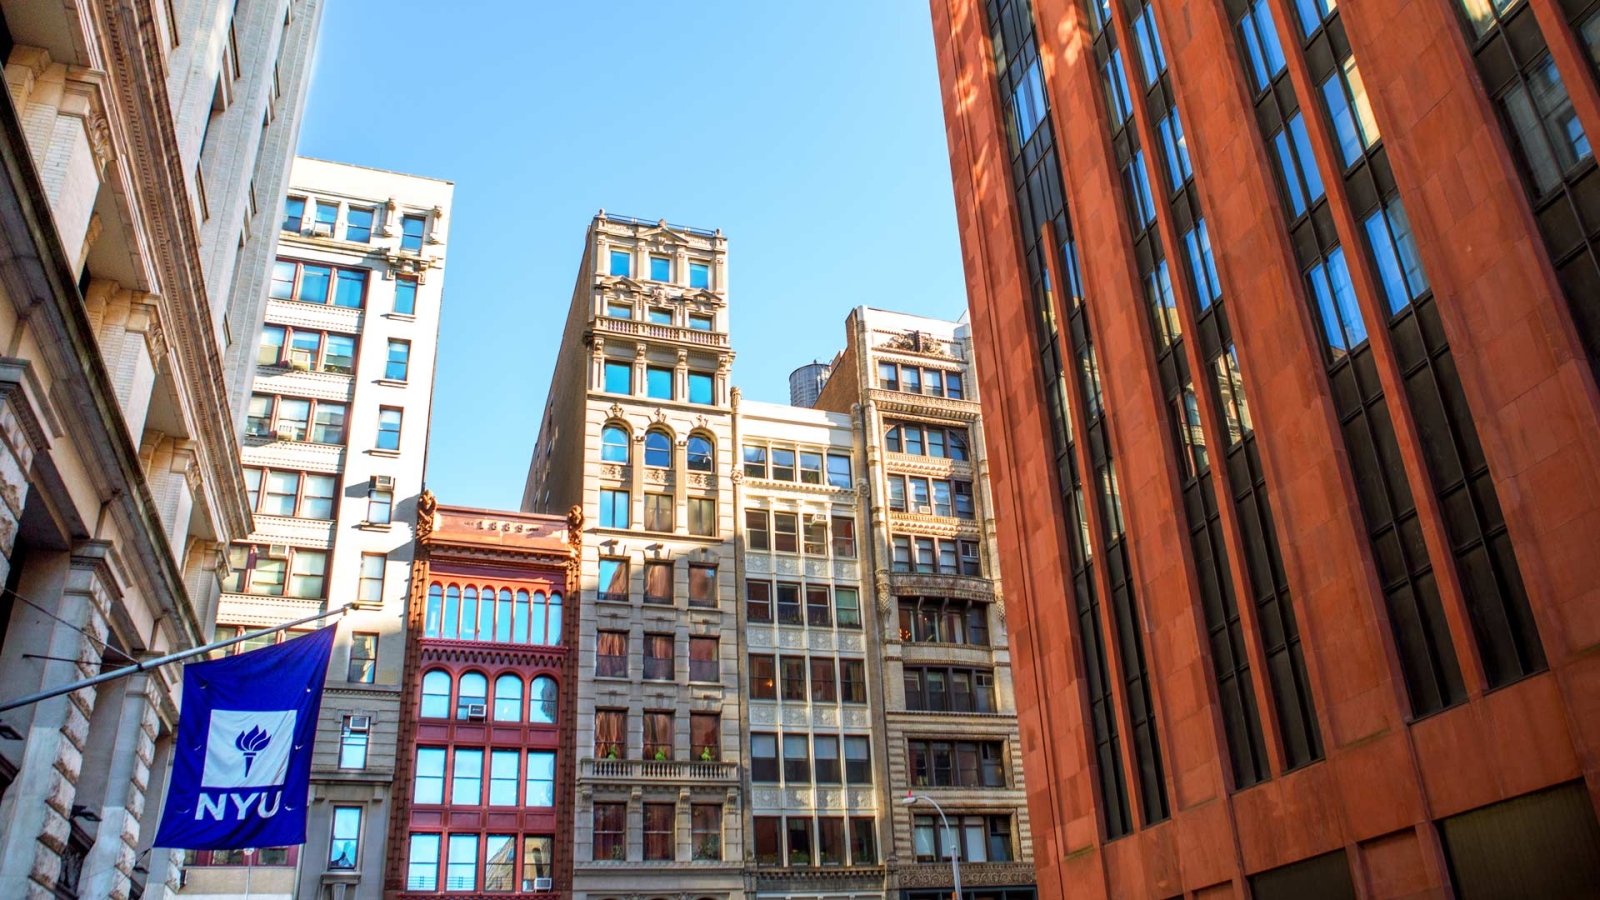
pixel 955 858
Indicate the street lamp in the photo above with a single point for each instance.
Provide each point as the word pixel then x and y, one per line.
pixel 955 839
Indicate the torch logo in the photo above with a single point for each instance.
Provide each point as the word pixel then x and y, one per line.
pixel 248 748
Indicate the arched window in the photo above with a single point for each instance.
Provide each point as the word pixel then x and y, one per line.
pixel 486 615
pixel 536 618
pixel 554 632
pixel 614 444
pixel 658 450
pixel 435 605
pixel 519 621
pixel 469 614
pixel 474 692
pixel 435 695
pixel 452 600
pixel 700 455
pixel 542 702
pixel 508 699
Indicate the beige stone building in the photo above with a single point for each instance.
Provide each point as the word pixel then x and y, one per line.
pixel 144 149
pixel 638 432
pixel 948 726
pixel 335 438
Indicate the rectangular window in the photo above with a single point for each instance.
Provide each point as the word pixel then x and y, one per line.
pixel 658 582
pixel 339 355
pixel 658 657
pixel 705 663
pixel 706 824
pixel 785 532
pixel 810 467
pixel 618 310
pixel 294 213
pixel 358 225
pixel 1261 44
pixel 611 654
pixel 422 863
pixel 897 493
pixel 763 678
pixel 621 263
pixel 902 553
pixel 466 778
pixel 380 506
pixel 1312 12
pixel 399 361
pixel 839 471
pixel 816 535
pixel 796 759
pixel 613 582
pixel 852 680
pixel 658 736
pixel 658 830
pixel 658 316
pixel 541 786
pixel 349 288
pixel 700 388
pixel 758 601
pixel 353 743
pixel 911 380
pixel 658 382
pixel 344 850
pixel 327 425
pixel 830 841
pixel 702 516
pixel 610 831
pixel 619 377
pixel 792 669
pixel 782 464
pixel 405 296
pixel 389 428
pixel 698 322
pixel 1202 265
pixel 307 573
pixel 789 604
pixel 499 863
pixel 504 774
pixel 1176 149
pixel 1028 106
pixel 1354 126
pixel 863 841
pixel 428 786
pixel 888 375
pixel 705 736
pixel 827 756
pixel 755 461
pixel 847 607
pixel 364 646
pixel 703 586
pixel 768 840
pixel 610 731
pixel 823 686
pixel 658 512
pixel 538 860
pixel 327 215
pixel 1343 328
pixel 660 268
pixel 270 350
pixel 799 840
pixel 411 228
pixel 764 758
pixel 614 508
pixel 844 538
pixel 699 276
pixel 1395 252
pixel 857 759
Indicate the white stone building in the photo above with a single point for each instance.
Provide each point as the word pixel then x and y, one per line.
pixel 816 815
pixel 144 149
pixel 638 432
pixel 335 439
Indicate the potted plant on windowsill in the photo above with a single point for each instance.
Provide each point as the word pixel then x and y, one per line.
pixel 710 848
pixel 798 858
pixel 661 756
pixel 611 752
pixel 707 756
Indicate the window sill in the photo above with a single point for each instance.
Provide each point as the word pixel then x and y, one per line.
pixel 388 454
pixel 392 382
pixel 401 317
pixel 375 526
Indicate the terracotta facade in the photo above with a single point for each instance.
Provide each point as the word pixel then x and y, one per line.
pixel 1393 786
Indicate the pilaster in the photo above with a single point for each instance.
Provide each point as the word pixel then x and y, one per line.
pixel 123 742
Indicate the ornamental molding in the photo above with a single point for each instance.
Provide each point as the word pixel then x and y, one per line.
pixel 938 409
pixel 919 343
pixel 403 264
pixel 487 654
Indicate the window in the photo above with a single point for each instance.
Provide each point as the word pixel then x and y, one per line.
pixel 614 509
pixel 364 647
pixel 350 285
pixel 857 759
pixel 888 376
pixel 614 580
pixel 816 536
pixel 1312 12
pixel 428 787
pixel 658 382
pixel 703 586
pixel 823 686
pixel 613 444
pixel 699 322
pixel 706 830
pixel 352 746
pixel 538 859
pixel 1137 182
pixel 658 512
pixel 796 759
pixel 768 840
pixel 911 380
pixel 306 573
pixel 785 532
pixel 619 377
pixel 422 863
pixel 764 757
pixel 1208 287
pixel 358 225
pixel 763 678
pixel 1261 44
pixel 705 736
pixel 411 228
pixel 782 464
pixel 827 756
pixel 282 284
pixel 844 538
pixel 543 699
pixel 617 310
pixel 466 777
pixel 461 866
pixel 839 471
pixel 940 689
pixel 758 601
pixel 399 361
pixel 702 516
pixel 1354 126
pixel 1296 164
pixel 658 450
pixel 944 763
pixel 699 276
pixel 847 607
pixel 1028 105
pixel 1152 61
pixel 830 841
pixel 1343 329
pixel 405 297
pixel 659 838
pixel 852 680
pixel 660 268
pixel 621 263
pixel 270 350
pixel 658 316
pixel 819 611
pixel 700 388
pixel 799 840
pixel 658 582
pixel 380 504
pixel 658 737
pixel 541 787
pixel 345 847
pixel 504 774
pixel 1175 148
pixel 435 695
pixel 1116 88
pixel 499 862
pixel 699 455
pixel 944 621
pixel 810 467
pixel 294 213
pixel 611 654
pixel 339 354
pixel 705 664
pixel 327 215
pixel 1395 251
pixel 863 841
pixel 756 535
pixel 789 604
pixel 610 830
pixel 327 426
pixel 508 698
pixel 755 461
pixel 658 658
pixel 792 670
pixel 610 733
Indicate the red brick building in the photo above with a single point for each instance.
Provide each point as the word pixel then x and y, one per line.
pixel 484 770
pixel 1286 317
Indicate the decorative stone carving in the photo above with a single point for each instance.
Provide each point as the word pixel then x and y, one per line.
pixel 616 411
pixel 427 506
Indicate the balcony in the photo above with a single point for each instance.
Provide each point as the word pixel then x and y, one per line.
pixel 655 332
pixel 659 771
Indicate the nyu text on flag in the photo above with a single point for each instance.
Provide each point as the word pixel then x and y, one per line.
pixel 243 769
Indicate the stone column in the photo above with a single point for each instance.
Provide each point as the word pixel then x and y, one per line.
pixel 38 806
pixel 680 378
pixel 128 330
pixel 121 752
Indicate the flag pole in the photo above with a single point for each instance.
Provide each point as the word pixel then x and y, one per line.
pixel 148 664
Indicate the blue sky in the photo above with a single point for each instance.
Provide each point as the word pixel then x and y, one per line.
pixel 810 133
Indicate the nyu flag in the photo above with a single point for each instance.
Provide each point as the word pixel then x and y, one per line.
pixel 242 775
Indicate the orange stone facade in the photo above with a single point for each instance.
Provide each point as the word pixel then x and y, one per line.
pixel 1397 797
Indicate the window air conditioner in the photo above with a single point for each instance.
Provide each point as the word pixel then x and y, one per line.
pixel 381 483
pixel 300 360
pixel 544 884
pixel 925 510
pixel 321 229
pixel 286 433
pixel 360 724
pixel 477 712
pixel 816 519
pixel 277 551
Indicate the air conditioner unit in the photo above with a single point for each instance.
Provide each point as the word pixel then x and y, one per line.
pixel 816 519
pixel 925 510
pixel 381 483
pixel 286 433
pixel 477 712
pixel 277 551
pixel 360 724
pixel 321 229
pixel 544 884
pixel 300 360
